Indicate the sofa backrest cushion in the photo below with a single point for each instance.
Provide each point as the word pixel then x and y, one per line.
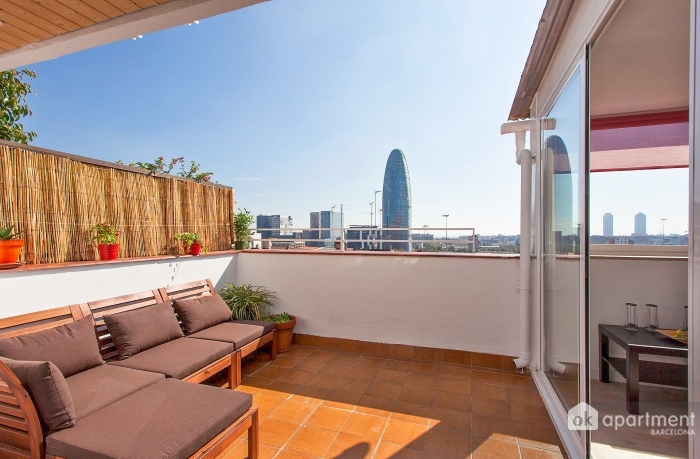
pixel 143 328
pixel 197 314
pixel 72 347
pixel 49 390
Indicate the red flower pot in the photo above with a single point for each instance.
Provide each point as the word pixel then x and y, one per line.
pixel 10 250
pixel 195 248
pixel 108 251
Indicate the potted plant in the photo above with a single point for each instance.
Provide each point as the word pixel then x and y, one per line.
pixel 284 329
pixel 241 223
pixel 106 236
pixel 10 245
pixel 191 243
pixel 254 303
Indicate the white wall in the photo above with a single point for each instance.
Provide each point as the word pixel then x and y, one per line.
pixel 450 302
pixel 29 291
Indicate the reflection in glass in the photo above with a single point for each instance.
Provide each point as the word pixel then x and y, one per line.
pixel 562 224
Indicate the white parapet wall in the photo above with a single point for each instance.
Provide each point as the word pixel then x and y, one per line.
pixel 22 292
pixel 451 302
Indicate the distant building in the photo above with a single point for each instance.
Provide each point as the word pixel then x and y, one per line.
pixel 330 219
pixel 368 237
pixel 396 200
pixel 275 225
pixel 315 222
pixel 263 221
pixel 623 240
pixel 608 225
pixel 640 224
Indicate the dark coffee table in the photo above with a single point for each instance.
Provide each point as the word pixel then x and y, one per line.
pixel 635 343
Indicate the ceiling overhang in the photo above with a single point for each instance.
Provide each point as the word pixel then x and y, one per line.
pixel 34 31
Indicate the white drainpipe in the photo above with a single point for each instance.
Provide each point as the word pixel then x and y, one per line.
pixel 524 158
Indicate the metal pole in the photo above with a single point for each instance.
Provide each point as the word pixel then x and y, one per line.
pixel 342 230
pixel 375 207
pixel 663 231
pixel 446 215
pixel 371 212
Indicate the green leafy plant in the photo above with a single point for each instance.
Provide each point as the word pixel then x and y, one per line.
pixel 241 223
pixel 105 233
pixel 7 234
pixel 187 239
pixel 247 302
pixel 278 318
pixel 13 106
pixel 160 166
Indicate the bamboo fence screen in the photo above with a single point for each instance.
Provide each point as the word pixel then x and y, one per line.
pixel 54 199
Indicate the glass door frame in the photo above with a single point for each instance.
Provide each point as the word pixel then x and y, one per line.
pixel 578 442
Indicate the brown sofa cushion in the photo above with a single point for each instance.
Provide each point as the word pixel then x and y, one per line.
pixel 98 387
pixel 203 312
pixel 72 347
pixel 143 328
pixel 169 419
pixel 178 358
pixel 239 333
pixel 47 387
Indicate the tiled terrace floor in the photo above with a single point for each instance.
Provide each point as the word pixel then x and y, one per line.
pixel 316 403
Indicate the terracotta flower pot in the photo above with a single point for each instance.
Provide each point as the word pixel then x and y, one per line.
pixel 195 248
pixel 10 250
pixel 108 251
pixel 284 332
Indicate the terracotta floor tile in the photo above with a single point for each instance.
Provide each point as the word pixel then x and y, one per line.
pixel 529 434
pixel 376 406
pixel 310 395
pixel 447 419
pixel 487 448
pixel 488 377
pixel 310 365
pixel 456 371
pixel 293 411
pixel 346 358
pixel 284 387
pixel 342 400
pixel 498 429
pixel 492 391
pixel 250 368
pixel 328 418
pixel 450 444
pixel 365 426
pixel 536 453
pixel 248 389
pixel 453 401
pixel 405 434
pixel 296 376
pixel 347 446
pixel 241 451
pixel 274 432
pixel 455 385
pixel 362 372
pixel 270 372
pixel 524 396
pixel 533 414
pixel 422 380
pixel 391 376
pixel 385 390
pixel 299 351
pixel 266 405
pixel 391 451
pixel 323 380
pixel 398 365
pixel 291 455
pixel 423 367
pixel 269 393
pixel 490 407
pixel 256 381
pixel 410 412
pixel 522 381
pixel 311 441
pixel 372 361
pixel 352 385
pixel 332 368
pixel 285 362
pixel 321 354
pixel 417 395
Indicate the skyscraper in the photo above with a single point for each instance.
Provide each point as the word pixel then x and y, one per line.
pixel 396 200
pixel 263 221
pixel 640 223
pixel 608 225
pixel 330 219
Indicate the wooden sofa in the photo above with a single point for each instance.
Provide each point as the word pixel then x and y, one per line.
pixel 21 434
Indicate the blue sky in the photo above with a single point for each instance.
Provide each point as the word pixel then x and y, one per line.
pixel 298 103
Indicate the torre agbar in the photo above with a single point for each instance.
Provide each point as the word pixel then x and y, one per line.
pixel 396 200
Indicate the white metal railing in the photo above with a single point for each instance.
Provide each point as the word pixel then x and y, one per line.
pixel 376 237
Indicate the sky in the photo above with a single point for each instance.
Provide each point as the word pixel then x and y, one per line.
pixel 297 104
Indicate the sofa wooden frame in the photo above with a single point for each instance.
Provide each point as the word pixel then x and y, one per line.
pixel 206 288
pixel 20 429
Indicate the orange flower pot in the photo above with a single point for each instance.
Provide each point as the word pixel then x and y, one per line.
pixel 10 250
pixel 195 248
pixel 284 332
pixel 108 251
